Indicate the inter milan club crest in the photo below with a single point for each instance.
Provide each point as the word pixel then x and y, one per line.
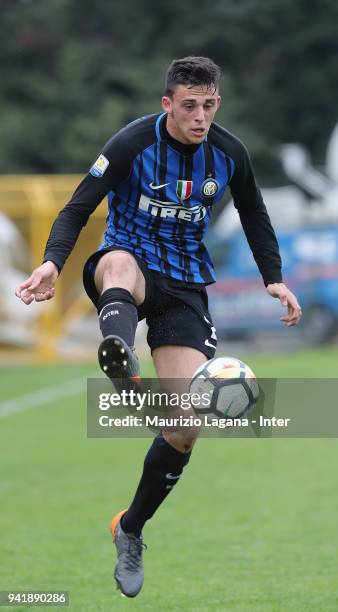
pixel 209 188
pixel 184 190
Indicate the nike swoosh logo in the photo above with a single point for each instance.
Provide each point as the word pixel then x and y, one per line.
pixel 158 186
pixel 207 343
pixel 171 477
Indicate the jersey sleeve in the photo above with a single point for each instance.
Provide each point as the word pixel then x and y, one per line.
pixel 255 220
pixel 111 167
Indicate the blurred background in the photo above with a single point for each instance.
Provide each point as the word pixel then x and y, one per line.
pixel 264 538
pixel 74 72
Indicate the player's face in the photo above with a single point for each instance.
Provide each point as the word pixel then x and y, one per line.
pixel 190 112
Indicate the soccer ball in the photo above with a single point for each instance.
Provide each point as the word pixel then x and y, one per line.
pixel 226 388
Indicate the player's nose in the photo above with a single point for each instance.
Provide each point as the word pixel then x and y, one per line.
pixel 199 114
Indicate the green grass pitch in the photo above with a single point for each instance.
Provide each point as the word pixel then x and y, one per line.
pixel 252 526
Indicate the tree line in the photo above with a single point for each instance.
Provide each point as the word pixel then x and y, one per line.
pixel 74 71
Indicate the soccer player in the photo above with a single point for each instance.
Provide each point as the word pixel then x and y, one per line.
pixel 163 175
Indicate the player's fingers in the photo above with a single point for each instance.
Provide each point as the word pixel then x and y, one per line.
pixel 20 288
pixel 50 293
pixel 292 318
pixel 35 282
pixel 289 323
pixel 293 313
pixel 292 304
pixel 43 295
pixel 27 298
pixel 294 309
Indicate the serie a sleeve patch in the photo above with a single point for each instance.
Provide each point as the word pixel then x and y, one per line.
pixel 100 166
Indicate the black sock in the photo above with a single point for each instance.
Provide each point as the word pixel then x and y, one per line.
pixel 163 466
pixel 117 312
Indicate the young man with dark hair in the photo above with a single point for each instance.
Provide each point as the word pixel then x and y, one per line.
pixel 163 174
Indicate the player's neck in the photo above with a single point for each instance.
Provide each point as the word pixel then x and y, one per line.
pixel 175 133
pixel 170 136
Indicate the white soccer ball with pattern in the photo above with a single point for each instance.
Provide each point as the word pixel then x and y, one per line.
pixel 230 385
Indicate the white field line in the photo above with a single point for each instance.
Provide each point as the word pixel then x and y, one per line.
pixel 44 396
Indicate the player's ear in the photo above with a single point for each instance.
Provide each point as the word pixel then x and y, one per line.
pixel 166 104
pixel 219 100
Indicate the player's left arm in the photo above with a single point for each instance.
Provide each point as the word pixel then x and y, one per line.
pixel 261 237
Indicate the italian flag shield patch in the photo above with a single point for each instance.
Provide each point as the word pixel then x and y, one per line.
pixel 184 189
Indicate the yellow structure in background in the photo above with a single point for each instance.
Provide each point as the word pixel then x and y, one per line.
pixel 32 203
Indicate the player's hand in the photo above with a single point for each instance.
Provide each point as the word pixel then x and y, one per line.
pixel 288 299
pixel 40 286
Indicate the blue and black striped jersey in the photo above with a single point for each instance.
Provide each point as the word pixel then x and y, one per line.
pixel 161 194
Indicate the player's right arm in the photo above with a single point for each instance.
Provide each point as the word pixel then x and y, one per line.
pixel 111 167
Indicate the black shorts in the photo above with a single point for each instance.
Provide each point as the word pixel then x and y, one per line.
pixel 176 312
